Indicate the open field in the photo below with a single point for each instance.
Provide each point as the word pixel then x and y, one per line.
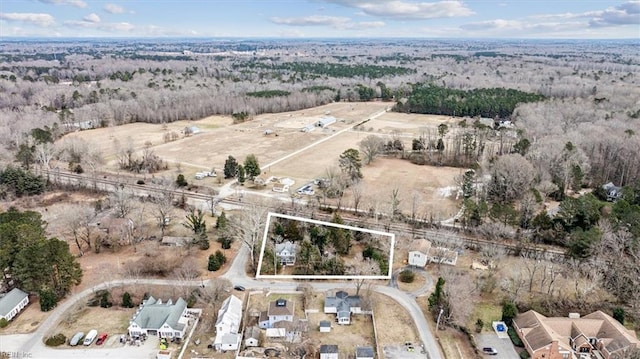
pixel 113 321
pixel 219 138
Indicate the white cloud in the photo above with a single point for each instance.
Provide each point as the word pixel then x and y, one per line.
pixel 92 18
pixel 625 14
pixel 337 22
pixel 39 19
pixel 102 26
pixel 313 20
pixel 407 9
pixel 113 9
pixel 76 3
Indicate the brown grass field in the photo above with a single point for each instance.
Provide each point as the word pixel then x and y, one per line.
pixel 219 138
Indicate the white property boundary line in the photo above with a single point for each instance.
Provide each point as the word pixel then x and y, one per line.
pixel 333 277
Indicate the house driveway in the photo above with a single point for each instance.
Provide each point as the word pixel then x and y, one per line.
pixel 504 346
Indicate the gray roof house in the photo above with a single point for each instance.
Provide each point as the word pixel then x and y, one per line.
pixel 252 336
pixel 329 351
pixel 286 253
pixel 342 305
pixel 162 319
pixel 13 303
pixel 364 352
pixel 228 322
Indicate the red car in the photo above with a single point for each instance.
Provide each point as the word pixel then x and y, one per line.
pixel 101 338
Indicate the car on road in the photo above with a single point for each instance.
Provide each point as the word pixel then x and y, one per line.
pixel 239 288
pixel 101 338
pixel 489 351
pixel 76 339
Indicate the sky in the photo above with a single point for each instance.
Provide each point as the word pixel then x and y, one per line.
pixel 540 19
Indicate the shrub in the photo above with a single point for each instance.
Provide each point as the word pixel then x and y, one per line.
pixel 213 264
pixel 126 300
pixel 180 181
pixel 56 340
pixel 515 339
pixel 479 325
pixel 3 323
pixel 524 355
pixel 618 314
pixel 407 276
pixel 104 300
pixel 509 311
pixel 222 259
pixel 48 300
pixel 203 243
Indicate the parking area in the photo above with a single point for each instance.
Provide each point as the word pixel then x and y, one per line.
pixel 405 351
pixel 503 346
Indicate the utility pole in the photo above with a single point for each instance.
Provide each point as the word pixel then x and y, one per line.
pixel 438 321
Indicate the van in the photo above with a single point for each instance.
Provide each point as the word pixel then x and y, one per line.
pixel 75 340
pixel 90 337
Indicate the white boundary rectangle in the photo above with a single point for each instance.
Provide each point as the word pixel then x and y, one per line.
pixel 351 228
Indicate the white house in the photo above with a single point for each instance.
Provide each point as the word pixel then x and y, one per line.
pixel 13 303
pixel 228 322
pixel 364 352
pixel 252 337
pixel 229 341
pixel 275 333
pixel 329 351
pixel 279 310
pixel 279 187
pixel 286 253
pixel 166 320
pixel 342 305
pixel 424 253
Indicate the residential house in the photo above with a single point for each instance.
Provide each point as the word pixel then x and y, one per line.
pixel 275 333
pixel 228 322
pixel 13 303
pixel 342 305
pixel 286 253
pixel 425 252
pixel 329 351
pixel 252 336
pixel 325 326
pixel 229 341
pixel 364 352
pixel 260 181
pixel 420 255
pixel 166 320
pixel 281 310
pixel 596 335
pixel 614 192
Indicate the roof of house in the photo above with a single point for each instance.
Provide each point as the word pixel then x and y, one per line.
pixel 230 339
pixel 443 254
pixel 230 312
pixel 539 331
pixel 11 300
pixel 328 349
pixel 154 314
pixel 364 352
pixel 285 246
pixel 423 246
pixel 252 332
pixel 276 332
pixel 281 307
pixel 342 302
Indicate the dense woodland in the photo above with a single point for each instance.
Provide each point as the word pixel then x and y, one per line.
pixel 572 105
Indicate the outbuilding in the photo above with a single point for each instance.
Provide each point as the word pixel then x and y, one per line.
pixel 13 303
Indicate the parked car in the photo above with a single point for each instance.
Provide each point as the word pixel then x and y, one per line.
pixel 101 338
pixel 76 339
pixel 239 288
pixel 489 351
pixel 91 336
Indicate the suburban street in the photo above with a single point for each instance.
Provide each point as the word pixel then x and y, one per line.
pixel 33 343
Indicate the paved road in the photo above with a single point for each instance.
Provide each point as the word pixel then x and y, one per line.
pixel 504 346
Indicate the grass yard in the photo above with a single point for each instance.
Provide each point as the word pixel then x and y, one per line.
pixel 347 337
pixel 113 321
pixel 27 321
pixel 488 312
pixel 393 323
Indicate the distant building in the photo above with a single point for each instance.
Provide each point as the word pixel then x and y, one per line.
pixel 13 303
pixel 424 253
pixel 326 121
pixel 325 326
